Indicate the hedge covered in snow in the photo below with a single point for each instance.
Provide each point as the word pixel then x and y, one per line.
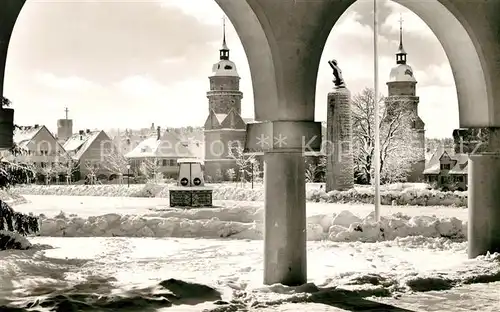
pixel 412 197
pixel 389 195
pixel 244 223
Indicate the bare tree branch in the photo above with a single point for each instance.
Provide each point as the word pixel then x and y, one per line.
pixel 92 169
pixel 397 151
pixel 115 162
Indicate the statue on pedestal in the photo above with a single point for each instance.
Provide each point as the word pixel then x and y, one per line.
pixel 337 75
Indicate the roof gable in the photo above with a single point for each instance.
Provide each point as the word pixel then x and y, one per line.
pixel 212 121
pixel 24 135
pixel 233 120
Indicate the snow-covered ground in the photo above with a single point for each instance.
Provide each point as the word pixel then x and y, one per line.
pixel 82 267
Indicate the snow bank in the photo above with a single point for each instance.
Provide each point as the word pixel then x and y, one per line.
pixel 244 223
pixel 415 194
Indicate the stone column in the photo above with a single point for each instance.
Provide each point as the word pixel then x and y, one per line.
pixel 340 161
pixel 283 144
pixel 285 234
pixel 484 198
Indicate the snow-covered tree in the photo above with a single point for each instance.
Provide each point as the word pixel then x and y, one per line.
pixel 255 171
pixel 315 170
pixel 150 168
pixel 12 223
pixel 231 174
pixel 397 148
pixel 48 170
pixel 115 162
pixel 92 169
pixel 243 161
pixel 68 168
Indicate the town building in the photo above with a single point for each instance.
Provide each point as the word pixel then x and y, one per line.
pixel 37 146
pixel 224 128
pixel 88 149
pixel 448 167
pixel 159 154
pixel 402 95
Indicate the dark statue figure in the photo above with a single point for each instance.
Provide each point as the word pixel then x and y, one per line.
pixel 337 75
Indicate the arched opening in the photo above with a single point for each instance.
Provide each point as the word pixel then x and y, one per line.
pixel 474 96
pixel 445 96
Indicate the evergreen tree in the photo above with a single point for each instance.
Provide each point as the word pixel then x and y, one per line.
pixel 12 222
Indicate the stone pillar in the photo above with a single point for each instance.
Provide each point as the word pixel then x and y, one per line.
pixel 340 161
pixel 283 144
pixel 285 233
pixel 484 198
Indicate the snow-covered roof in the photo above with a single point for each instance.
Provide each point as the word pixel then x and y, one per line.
pixel 79 143
pixel 24 135
pixel 434 164
pixel 145 149
pixel 461 167
pixel 402 72
pixel 169 145
pixel 225 68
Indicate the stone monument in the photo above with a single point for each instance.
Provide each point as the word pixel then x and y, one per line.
pixel 338 148
pixel 190 190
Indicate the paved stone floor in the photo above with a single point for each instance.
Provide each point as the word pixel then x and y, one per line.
pixel 477 297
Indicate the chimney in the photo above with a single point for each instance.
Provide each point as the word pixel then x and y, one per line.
pixel 88 130
pixel 81 132
pixel 158 133
pixel 36 126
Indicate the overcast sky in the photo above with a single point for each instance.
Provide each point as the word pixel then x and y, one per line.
pixel 119 64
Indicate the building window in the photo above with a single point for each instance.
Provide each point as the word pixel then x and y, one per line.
pixel 460 178
pixel 165 162
pixel 172 162
pixel 445 167
pixel 444 180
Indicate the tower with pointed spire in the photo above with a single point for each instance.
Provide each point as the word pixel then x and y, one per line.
pixel 224 126
pixel 402 95
pixel 64 128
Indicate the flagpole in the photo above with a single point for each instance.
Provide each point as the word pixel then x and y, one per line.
pixel 377 116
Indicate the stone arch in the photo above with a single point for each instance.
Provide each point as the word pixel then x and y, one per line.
pixel 251 29
pixel 472 70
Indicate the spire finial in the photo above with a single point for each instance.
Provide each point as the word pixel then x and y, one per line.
pixel 401 55
pixel 66 110
pixel 224 51
pixel 400 30
pixel 224 30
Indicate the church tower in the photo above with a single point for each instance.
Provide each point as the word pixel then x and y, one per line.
pixel 64 128
pixel 402 94
pixel 224 127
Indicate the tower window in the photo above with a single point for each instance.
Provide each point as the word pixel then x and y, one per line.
pixel 228 67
